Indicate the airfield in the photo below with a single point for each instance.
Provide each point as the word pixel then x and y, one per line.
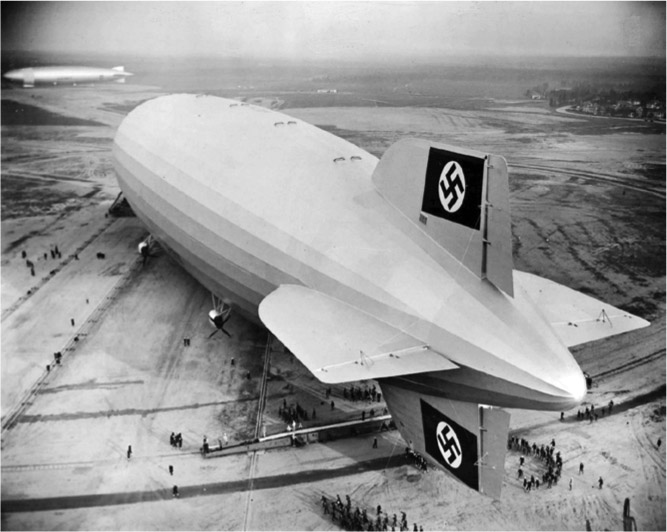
pixel 588 207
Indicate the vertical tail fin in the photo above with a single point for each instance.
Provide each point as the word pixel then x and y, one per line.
pixel 459 198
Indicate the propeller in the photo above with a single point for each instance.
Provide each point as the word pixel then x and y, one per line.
pixel 145 248
pixel 219 316
pixel 144 251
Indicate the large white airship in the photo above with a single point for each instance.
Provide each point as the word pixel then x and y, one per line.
pixel 398 270
pixel 66 75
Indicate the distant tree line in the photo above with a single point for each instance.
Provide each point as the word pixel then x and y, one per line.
pixel 605 96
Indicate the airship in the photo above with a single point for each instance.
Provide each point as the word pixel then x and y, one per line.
pixel 398 269
pixel 66 75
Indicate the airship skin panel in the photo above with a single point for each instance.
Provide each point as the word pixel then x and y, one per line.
pixel 229 249
pixel 234 180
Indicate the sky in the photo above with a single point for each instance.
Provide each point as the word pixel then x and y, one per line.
pixel 347 30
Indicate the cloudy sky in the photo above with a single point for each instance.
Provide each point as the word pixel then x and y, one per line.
pixel 343 30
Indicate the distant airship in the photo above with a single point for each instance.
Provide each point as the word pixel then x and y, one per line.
pixel 398 270
pixel 66 75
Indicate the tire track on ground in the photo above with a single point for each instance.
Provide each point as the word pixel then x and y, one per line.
pixel 198 490
pixel 631 364
pixel 653 191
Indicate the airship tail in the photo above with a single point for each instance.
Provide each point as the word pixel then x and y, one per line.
pixel 467 440
pixel 453 200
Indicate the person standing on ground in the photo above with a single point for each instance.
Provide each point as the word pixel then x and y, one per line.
pixel 129 452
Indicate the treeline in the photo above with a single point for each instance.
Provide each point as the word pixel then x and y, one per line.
pixel 586 92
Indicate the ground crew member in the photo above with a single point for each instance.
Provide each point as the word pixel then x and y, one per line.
pixel 129 452
pixel 600 482
pixel 171 469
pixel 174 491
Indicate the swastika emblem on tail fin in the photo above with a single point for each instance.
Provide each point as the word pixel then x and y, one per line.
pixel 450 444
pixel 453 187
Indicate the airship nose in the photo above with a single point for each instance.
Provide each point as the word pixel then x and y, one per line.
pixel 14 75
pixel 561 380
pixel 574 384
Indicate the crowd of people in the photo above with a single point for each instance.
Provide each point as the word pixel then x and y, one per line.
pixel 355 393
pixel 293 414
pixel 343 515
pixel 416 459
pixel 547 454
pixel 55 254
pixel 592 415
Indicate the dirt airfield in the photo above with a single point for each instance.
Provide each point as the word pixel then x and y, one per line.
pixel 588 205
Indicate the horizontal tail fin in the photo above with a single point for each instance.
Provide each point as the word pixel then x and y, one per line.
pixel 119 68
pixel 340 343
pixel 576 318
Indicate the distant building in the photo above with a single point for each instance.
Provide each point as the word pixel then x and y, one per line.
pixel 591 108
pixel 327 91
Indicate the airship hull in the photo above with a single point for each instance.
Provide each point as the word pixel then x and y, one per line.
pixel 165 221
pixel 355 266
pixel 66 75
pixel 243 233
